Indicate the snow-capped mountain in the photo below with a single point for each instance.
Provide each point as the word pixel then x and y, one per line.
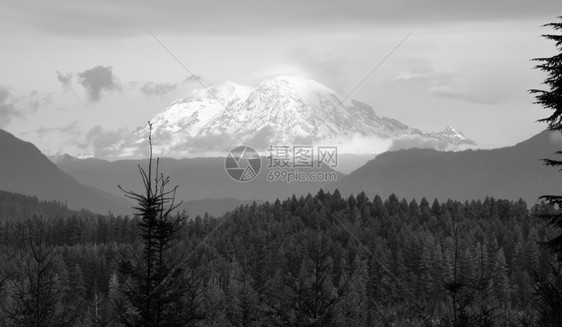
pixel 284 110
pixel 452 136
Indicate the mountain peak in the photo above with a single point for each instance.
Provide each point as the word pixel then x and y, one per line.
pixel 295 81
pixel 294 87
pixel 280 110
pixel 452 135
pixel 452 131
pixel 224 92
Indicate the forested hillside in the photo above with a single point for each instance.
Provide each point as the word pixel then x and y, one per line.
pixel 319 260
pixel 508 173
pixel 15 206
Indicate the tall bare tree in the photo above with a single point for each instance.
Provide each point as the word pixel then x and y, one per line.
pixel 158 282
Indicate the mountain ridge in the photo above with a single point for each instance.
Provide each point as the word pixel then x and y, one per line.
pixel 198 178
pixel 511 172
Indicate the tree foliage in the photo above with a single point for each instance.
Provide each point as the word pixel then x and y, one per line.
pixel 551 99
pixel 156 282
pixel 549 288
pixel 321 259
pixel 37 299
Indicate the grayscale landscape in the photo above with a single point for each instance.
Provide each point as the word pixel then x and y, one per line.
pixel 258 163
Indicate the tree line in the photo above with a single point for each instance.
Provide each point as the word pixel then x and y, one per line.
pixel 320 260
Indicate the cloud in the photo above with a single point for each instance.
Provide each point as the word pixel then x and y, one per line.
pixel 35 100
pixel 207 143
pixel 262 139
pixel 7 108
pixel 162 89
pixel 409 142
pixel 103 18
pixel 480 87
pixel 488 97
pixel 421 72
pixel 357 144
pixel 65 79
pixel 282 69
pixel 18 106
pixel 72 129
pixel 193 79
pixel 157 89
pixel 323 67
pixel 99 141
pixel 97 79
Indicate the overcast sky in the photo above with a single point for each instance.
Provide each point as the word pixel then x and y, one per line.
pixel 77 75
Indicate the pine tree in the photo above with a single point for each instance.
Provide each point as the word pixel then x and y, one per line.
pixel 77 287
pixel 243 302
pixel 308 296
pixel 352 310
pixel 118 307
pixel 160 282
pixel 549 290
pixel 37 298
pixel 552 99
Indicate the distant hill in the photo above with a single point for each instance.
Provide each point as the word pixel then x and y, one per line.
pixel 15 206
pixel 348 162
pixel 24 169
pixel 508 173
pixel 197 178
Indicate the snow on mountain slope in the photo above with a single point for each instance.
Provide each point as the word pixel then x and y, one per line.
pixel 453 136
pixel 285 110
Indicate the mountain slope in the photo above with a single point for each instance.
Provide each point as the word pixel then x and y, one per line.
pixel 197 178
pixel 24 169
pixel 512 173
pixel 15 206
pixel 278 111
